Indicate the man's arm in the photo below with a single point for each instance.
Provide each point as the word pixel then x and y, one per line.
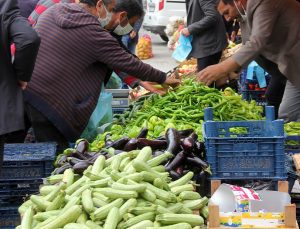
pixel 27 44
pixel 211 17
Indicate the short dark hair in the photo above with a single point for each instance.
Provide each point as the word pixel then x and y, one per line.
pixel 94 2
pixel 132 7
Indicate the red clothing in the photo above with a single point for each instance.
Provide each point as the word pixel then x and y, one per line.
pixel 41 6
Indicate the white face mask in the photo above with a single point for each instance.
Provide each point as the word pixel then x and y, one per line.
pixel 243 16
pixel 119 30
pixel 104 21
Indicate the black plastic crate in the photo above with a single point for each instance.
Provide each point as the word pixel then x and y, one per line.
pixel 9 217
pixel 28 161
pixel 16 191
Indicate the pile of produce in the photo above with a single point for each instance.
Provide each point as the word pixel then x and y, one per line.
pixel 230 50
pixel 144 48
pixel 182 108
pixel 173 28
pixel 292 129
pixel 178 152
pixel 127 190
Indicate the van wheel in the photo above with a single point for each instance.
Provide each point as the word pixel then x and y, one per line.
pixel 164 38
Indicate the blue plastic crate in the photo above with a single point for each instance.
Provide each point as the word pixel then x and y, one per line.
pixel 9 217
pixel 257 153
pixel 28 161
pixel 16 191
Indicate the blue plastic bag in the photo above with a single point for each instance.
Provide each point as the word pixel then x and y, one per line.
pixel 102 115
pixel 183 49
pixel 253 67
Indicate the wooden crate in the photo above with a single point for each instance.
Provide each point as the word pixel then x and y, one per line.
pixel 290 210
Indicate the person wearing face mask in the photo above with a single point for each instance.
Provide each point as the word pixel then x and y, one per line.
pixel 273 34
pixel 74 59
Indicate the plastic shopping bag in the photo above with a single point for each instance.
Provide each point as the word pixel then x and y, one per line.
pixel 255 69
pixel 102 115
pixel 183 49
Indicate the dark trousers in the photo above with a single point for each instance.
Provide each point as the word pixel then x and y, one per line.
pixel 276 85
pixel 2 140
pixel 44 130
pixel 208 60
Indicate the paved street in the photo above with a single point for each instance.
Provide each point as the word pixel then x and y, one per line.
pixel 162 55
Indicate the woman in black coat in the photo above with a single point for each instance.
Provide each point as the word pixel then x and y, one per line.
pixel 14 74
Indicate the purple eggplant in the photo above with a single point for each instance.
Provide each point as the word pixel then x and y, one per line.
pixel 117 151
pixel 188 143
pixel 143 133
pixel 173 141
pixel 119 144
pixel 74 160
pixel 198 148
pixel 62 169
pixel 185 133
pixel 94 158
pixel 161 138
pixel 78 155
pixel 62 160
pixel 82 146
pixel 80 167
pixel 197 162
pixel 131 145
pixel 107 140
pixel 174 175
pixel 178 160
pixel 154 144
pixel 157 153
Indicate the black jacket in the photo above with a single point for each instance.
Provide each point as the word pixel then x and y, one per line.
pixel 207 27
pixel 14 29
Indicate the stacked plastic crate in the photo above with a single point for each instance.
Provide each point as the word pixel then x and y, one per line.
pixel 253 84
pixel 245 150
pixel 24 167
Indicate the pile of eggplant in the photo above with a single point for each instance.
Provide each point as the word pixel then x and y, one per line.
pixel 188 152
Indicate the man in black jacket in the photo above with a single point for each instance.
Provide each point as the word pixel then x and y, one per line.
pixel 15 73
pixel 205 24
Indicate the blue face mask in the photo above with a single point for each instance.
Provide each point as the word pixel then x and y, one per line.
pixel 243 16
pixel 105 21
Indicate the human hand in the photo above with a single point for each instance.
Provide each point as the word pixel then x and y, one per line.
pixel 153 87
pixel 132 34
pixel 172 80
pixel 211 73
pixel 185 32
pixel 22 84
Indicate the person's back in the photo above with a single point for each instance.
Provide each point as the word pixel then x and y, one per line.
pixel 75 57
pixel 14 75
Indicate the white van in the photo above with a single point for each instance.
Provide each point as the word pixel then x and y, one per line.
pixel 158 13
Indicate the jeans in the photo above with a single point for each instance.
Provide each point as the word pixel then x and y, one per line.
pixel 44 130
pixel 276 85
pixel 208 60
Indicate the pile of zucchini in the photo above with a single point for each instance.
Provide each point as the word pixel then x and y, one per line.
pixel 129 190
